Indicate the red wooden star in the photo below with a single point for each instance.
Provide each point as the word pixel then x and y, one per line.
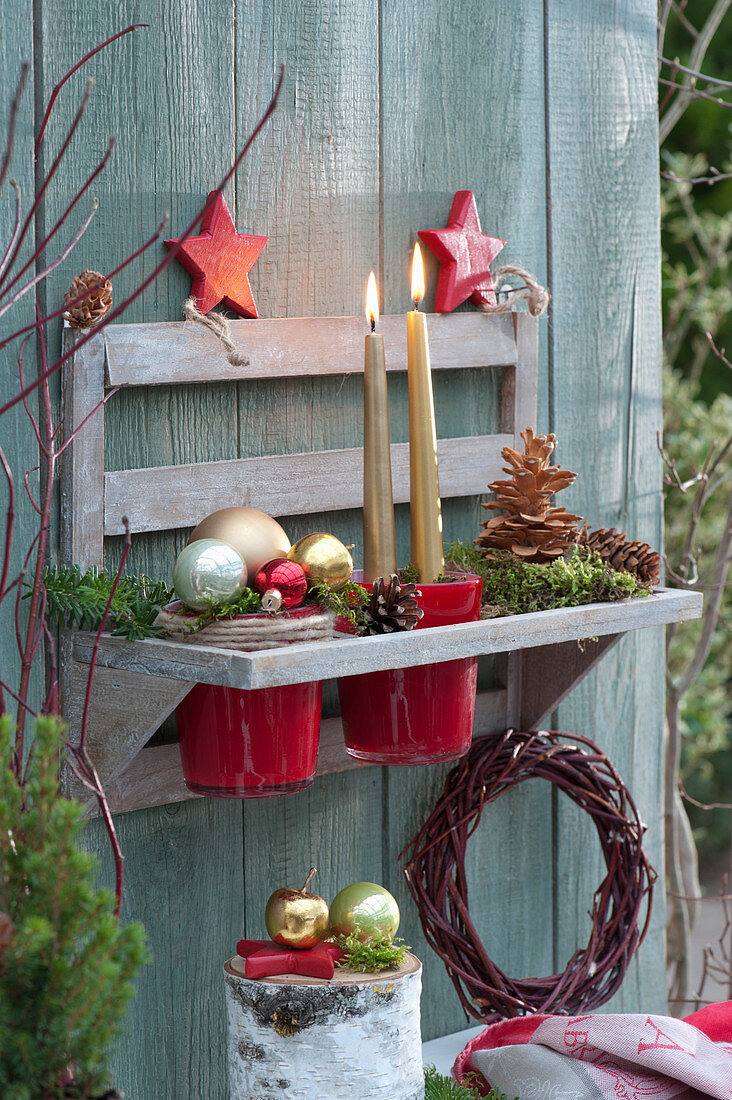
pixel 265 958
pixel 465 254
pixel 219 259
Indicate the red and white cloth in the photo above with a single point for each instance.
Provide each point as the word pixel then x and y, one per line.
pixel 613 1057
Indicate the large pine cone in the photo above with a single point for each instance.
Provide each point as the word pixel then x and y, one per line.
pixel 95 304
pixel 392 606
pixel 532 528
pixel 620 553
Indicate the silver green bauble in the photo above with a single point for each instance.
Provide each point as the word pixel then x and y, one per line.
pixel 209 571
pixel 366 910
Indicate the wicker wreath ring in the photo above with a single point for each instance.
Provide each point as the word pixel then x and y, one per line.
pixel 435 874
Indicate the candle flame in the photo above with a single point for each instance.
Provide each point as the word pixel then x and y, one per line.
pixel 417 276
pixel 372 302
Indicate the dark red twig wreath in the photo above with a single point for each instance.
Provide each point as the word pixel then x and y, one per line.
pixel 435 873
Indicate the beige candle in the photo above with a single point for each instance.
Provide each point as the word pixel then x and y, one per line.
pixel 425 507
pixel 379 543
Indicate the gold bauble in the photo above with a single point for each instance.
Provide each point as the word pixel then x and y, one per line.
pixel 256 536
pixel 296 918
pixel 323 557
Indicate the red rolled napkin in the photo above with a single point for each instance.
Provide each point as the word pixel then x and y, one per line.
pixel 265 959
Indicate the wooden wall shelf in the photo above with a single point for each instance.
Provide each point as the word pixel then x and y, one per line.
pixel 139 684
pixel 296 664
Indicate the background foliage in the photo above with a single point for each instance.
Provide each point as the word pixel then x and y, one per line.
pixel 697 298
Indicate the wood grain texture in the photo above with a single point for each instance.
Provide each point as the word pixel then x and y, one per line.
pixel 357 126
pixel 81 476
pixel 126 710
pixel 167 93
pixel 183 881
pixel 463 107
pixel 173 354
pixel 166 497
pixel 606 406
pixel 313 187
pixel 305 661
pixel 16 434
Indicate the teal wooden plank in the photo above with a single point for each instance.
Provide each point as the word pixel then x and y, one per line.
pixel 183 881
pixel 312 185
pixel 605 384
pixel 463 107
pixel 16 434
pixel 167 93
pixel 335 826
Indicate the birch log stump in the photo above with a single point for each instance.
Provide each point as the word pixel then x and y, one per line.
pixel 311 1039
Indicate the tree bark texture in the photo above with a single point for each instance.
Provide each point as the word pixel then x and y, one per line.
pixel 309 1039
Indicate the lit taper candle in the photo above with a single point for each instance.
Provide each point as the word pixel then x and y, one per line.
pixel 379 544
pixel 425 508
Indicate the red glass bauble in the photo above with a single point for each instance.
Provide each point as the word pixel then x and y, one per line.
pixel 286 576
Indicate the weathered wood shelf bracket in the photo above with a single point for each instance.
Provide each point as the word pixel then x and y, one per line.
pixel 139 684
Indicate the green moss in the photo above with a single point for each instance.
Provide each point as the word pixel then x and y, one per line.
pixel 516 587
pixel 379 953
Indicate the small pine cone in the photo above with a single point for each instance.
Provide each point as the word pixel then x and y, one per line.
pixel 95 304
pixel 634 557
pixel 392 607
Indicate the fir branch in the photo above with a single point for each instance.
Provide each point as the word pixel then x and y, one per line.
pixel 79 599
pixel 373 954
pixel 516 587
pixel 248 602
pixel 437 1087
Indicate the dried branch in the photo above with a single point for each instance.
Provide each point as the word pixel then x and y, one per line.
pixel 12 123
pixel 14 231
pixel 164 263
pixel 46 271
pixel 676 64
pixel 720 353
pixel 687 93
pixel 715 176
pixel 74 69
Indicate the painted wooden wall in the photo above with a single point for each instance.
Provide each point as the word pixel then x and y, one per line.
pixel 547 111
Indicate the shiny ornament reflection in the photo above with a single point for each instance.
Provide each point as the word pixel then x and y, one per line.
pixel 366 910
pixel 323 557
pixel 287 577
pixel 296 918
pixel 209 571
pixel 256 536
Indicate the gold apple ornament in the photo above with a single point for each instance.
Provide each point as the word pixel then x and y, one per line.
pixel 296 918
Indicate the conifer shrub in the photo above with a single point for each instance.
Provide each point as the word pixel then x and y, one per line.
pixel 66 966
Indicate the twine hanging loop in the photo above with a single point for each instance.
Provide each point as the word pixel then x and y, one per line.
pixel 219 325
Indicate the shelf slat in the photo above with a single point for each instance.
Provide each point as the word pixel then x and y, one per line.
pixel 351 656
pixel 175 352
pixel 161 498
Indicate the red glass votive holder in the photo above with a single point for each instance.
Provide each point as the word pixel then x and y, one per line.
pixel 424 714
pixel 250 744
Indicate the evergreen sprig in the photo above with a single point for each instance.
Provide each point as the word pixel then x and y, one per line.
pixel 516 587
pixel 79 599
pixel 349 602
pixel 437 1087
pixel 373 954
pixel 67 966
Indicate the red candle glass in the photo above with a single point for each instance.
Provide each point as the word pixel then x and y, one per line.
pixel 250 744
pixel 423 714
